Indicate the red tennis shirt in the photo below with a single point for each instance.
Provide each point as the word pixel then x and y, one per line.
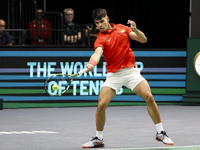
pixel 116 47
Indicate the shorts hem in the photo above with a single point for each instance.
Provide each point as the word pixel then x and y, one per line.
pixel 111 88
pixel 137 84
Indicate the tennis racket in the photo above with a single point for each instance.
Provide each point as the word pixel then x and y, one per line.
pixel 58 84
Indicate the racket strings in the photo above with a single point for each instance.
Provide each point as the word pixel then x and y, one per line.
pixel 63 81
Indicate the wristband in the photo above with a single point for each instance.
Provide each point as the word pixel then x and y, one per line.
pixel 93 62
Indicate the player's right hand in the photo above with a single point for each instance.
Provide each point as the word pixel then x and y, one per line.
pixel 90 67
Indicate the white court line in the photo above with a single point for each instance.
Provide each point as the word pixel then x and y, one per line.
pixel 143 148
pixel 28 132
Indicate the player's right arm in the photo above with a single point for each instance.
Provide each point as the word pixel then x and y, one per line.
pixel 95 58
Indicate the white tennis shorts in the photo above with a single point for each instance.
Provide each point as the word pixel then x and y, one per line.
pixel 129 77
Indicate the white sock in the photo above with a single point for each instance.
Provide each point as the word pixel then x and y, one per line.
pixel 159 127
pixel 99 134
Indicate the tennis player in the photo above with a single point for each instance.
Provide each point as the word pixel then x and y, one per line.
pixel 113 42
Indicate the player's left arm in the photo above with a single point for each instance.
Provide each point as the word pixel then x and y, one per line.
pixel 136 34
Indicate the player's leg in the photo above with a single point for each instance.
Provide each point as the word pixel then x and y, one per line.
pixel 105 96
pixel 143 90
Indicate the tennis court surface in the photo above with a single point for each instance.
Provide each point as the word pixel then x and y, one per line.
pixel 127 128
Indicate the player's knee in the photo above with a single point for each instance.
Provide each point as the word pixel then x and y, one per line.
pixel 102 106
pixel 149 98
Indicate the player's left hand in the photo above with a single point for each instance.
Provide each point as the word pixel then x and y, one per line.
pixel 132 25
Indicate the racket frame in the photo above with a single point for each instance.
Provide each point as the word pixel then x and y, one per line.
pixel 74 76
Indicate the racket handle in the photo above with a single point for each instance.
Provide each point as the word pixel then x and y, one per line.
pixel 82 71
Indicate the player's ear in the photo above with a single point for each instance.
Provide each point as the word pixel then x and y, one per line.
pixel 107 18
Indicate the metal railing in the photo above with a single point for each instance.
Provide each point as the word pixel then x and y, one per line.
pixel 17 36
pixel 27 27
pixel 50 37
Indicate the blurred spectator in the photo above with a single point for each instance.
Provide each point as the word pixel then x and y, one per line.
pixel 68 16
pixel 72 35
pixel 43 24
pixel 5 38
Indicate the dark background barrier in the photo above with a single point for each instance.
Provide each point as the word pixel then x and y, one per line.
pixel 165 23
pixel 193 75
pixel 195 21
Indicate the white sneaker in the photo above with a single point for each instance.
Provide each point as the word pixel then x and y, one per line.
pixel 164 138
pixel 95 142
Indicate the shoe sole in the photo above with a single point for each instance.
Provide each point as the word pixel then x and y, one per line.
pixel 93 147
pixel 165 143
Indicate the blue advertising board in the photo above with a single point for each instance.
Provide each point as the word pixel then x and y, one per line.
pixel 24 71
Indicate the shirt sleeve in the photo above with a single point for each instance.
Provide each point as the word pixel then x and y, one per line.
pixel 32 33
pixel 99 43
pixel 128 30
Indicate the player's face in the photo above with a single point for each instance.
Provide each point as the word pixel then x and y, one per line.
pixel 102 24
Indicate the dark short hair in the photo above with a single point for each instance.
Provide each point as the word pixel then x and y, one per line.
pixel 99 13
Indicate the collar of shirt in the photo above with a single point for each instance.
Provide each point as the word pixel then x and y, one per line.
pixel 114 27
